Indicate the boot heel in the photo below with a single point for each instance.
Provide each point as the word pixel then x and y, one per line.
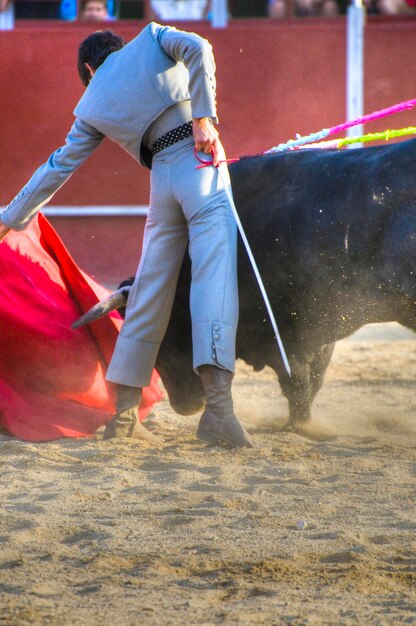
pixel 207 436
pixel 218 423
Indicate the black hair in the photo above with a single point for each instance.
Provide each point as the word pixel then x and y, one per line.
pixel 95 49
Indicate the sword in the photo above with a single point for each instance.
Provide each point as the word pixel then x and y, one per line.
pixel 228 191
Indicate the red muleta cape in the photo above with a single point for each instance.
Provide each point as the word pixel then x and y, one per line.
pixel 52 378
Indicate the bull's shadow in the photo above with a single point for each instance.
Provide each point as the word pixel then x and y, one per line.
pixel 334 236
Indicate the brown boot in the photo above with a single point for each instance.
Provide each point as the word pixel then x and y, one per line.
pixel 125 422
pixel 218 422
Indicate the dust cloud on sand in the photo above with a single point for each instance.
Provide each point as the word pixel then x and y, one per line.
pixel 303 531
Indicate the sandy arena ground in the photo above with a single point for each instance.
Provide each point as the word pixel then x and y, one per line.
pixel 303 531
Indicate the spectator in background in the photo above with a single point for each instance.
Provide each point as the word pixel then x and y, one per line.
pixel 170 10
pixel 395 7
pixel 95 11
pixel 91 10
pixel 304 8
pixel 6 15
pixel 277 9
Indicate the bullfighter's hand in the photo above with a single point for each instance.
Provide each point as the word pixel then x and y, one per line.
pixel 207 139
pixel 3 230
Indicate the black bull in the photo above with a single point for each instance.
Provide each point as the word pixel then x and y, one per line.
pixel 334 236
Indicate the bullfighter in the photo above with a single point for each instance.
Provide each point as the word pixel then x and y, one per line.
pixel 156 98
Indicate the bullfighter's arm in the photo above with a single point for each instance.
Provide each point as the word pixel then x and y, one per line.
pixel 80 142
pixel 197 56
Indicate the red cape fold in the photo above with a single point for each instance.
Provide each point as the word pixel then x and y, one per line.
pixel 52 378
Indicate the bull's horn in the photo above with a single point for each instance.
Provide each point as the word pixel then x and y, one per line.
pixel 110 303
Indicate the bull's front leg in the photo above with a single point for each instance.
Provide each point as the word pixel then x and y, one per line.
pixel 308 371
pixel 298 389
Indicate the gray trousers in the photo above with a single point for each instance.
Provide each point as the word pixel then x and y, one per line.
pixel 186 204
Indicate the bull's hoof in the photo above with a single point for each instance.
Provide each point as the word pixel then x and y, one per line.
pixel 231 433
pixel 310 430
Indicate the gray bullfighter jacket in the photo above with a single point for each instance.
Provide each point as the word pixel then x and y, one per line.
pixel 165 66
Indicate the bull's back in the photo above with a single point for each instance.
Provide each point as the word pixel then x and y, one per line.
pixel 323 190
pixel 322 224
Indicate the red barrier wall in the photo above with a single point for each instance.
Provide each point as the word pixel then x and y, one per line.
pixel 274 79
pixel 107 248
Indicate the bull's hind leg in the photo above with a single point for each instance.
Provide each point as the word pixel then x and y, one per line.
pixel 319 366
pixel 398 253
pixel 300 389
